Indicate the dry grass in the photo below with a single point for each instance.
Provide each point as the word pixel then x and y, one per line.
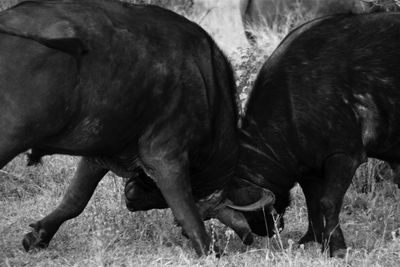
pixel 106 234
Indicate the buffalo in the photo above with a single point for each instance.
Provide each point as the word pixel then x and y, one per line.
pixel 136 90
pixel 324 101
pixel 256 13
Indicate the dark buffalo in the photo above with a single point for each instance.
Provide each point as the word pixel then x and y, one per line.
pixel 264 13
pixel 133 89
pixel 326 99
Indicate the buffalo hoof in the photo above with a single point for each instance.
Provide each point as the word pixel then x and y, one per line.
pixel 335 251
pixel 310 237
pixel 35 239
pixel 339 253
pixel 247 239
pixel 217 251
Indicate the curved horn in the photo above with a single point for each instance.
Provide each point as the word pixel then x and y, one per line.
pixel 267 199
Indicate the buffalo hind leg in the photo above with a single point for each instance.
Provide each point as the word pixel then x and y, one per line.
pixel 79 192
pixel 312 190
pixel 171 173
pixel 339 170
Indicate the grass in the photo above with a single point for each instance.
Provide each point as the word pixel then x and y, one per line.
pixel 107 234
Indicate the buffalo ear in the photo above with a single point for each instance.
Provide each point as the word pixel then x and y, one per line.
pixel 44 26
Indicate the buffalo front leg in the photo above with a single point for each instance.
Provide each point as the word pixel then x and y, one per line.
pixel 171 173
pixel 339 170
pixel 312 190
pixel 84 182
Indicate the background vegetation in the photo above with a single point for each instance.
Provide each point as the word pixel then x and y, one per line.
pixel 106 234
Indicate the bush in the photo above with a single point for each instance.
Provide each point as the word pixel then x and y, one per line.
pixel 383 5
pixel 246 63
pixel 181 6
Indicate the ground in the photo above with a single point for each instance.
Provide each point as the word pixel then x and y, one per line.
pixel 107 234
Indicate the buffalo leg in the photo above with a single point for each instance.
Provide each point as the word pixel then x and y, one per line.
pixel 236 220
pixel 339 170
pixel 312 191
pixel 86 178
pixel 171 173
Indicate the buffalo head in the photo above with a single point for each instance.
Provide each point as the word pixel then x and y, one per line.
pixel 258 205
pixel 242 206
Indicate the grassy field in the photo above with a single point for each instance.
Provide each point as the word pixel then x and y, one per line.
pixel 107 234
